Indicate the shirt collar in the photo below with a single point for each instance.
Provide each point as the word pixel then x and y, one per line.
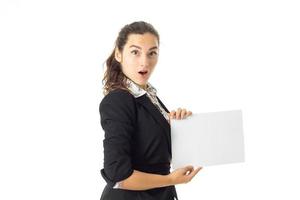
pixel 137 91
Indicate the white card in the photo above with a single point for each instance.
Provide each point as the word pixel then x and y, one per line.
pixel 204 139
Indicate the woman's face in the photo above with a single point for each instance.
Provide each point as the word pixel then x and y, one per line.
pixel 139 57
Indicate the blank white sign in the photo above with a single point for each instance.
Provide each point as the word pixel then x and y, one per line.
pixel 204 139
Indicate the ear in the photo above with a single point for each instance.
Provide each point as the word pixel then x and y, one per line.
pixel 118 55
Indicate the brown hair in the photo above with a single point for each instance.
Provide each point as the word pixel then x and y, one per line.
pixel 114 77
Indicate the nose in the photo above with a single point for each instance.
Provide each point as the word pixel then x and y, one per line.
pixel 144 60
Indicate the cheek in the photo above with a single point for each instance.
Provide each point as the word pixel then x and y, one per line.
pixel 154 60
pixel 153 63
pixel 129 66
pixel 130 62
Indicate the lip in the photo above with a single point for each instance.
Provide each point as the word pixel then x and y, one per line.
pixel 143 72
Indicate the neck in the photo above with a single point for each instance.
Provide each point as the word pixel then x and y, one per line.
pixel 143 86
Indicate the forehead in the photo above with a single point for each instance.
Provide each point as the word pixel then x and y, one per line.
pixel 146 40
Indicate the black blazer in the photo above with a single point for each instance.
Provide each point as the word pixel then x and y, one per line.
pixel 137 136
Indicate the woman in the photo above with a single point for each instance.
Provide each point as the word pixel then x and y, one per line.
pixel 137 143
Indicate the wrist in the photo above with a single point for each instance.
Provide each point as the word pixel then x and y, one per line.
pixel 169 180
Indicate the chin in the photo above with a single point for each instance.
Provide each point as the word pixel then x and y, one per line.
pixel 140 82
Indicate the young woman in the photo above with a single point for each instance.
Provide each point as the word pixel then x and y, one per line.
pixel 137 143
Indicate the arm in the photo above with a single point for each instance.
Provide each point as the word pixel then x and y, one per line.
pixel 118 116
pixel 144 181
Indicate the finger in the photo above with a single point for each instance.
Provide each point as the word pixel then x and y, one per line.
pixel 188 169
pixel 169 115
pixel 172 114
pixel 183 113
pixel 189 113
pixel 193 173
pixel 178 113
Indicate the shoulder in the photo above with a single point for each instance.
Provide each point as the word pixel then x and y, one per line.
pixel 118 102
pixel 118 96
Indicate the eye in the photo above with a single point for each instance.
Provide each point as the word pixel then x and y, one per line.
pixel 153 53
pixel 134 52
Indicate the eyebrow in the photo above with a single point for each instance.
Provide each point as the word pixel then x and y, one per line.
pixel 155 47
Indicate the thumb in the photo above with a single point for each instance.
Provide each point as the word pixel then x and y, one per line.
pixel 193 173
pixel 189 169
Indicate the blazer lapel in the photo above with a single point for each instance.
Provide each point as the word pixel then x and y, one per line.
pixel 159 118
pixel 161 103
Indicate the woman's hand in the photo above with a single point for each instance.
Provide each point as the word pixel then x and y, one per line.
pixel 183 175
pixel 179 114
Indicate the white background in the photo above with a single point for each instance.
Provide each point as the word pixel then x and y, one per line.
pixel 214 55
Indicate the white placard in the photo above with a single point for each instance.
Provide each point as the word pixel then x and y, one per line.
pixel 204 139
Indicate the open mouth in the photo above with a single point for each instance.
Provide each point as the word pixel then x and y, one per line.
pixel 143 72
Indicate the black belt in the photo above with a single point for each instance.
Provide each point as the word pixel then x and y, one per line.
pixel 160 168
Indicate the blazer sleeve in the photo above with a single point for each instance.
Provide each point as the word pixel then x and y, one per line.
pixel 118 116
